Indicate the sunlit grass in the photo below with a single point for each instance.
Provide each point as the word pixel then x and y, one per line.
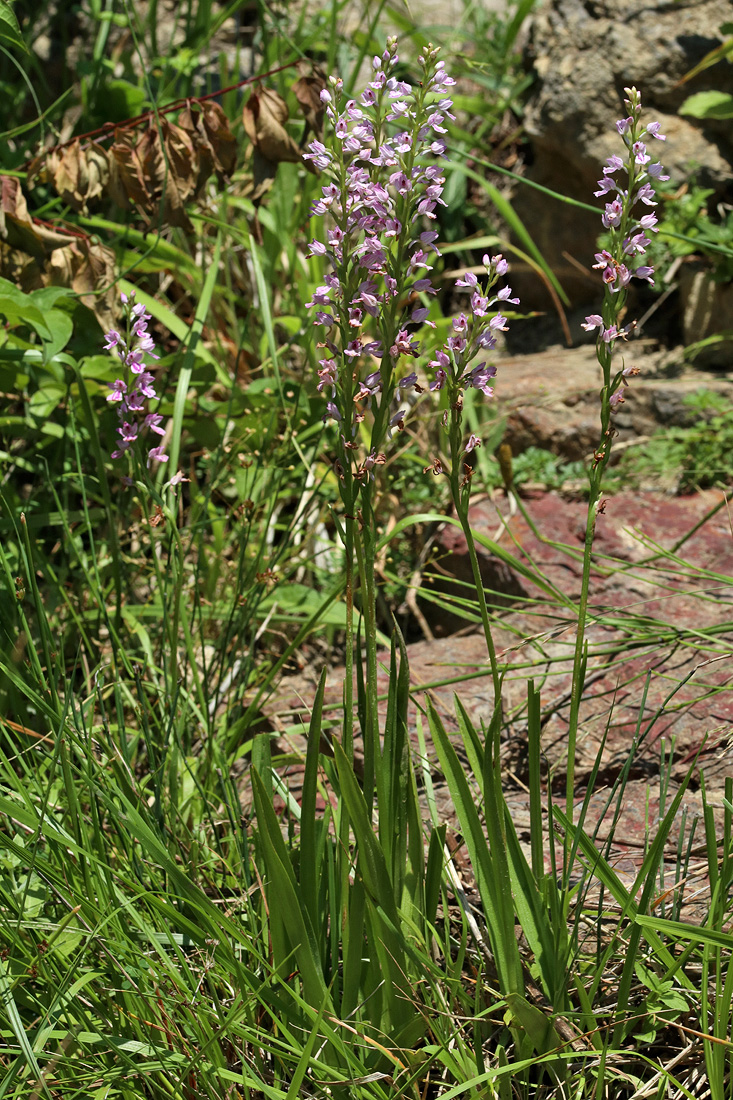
pixel 197 901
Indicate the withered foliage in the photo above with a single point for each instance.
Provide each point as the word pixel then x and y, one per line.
pixel 307 90
pixel 265 114
pixel 152 166
pixel 33 254
pixel 156 170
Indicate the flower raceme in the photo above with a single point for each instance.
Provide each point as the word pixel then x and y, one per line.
pixel 620 262
pixel 625 183
pixel 131 392
pixel 385 182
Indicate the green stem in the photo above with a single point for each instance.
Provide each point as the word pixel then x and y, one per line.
pixel 366 553
pixel 596 473
pixel 461 497
pixel 347 737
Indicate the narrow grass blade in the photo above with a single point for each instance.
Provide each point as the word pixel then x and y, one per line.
pixel 495 894
pixel 309 870
pixel 192 344
pixel 283 894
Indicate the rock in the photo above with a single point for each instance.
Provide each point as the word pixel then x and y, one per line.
pixel 707 310
pixel 550 399
pixel 583 55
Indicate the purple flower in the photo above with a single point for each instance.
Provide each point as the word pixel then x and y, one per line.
pixel 640 154
pixel 468 279
pixel 157 454
pixel 321 297
pixel 119 389
pixel 619 262
pixel 383 187
pixel 612 215
pixel 479 378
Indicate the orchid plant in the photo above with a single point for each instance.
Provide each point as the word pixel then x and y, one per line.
pixel 628 185
pixel 382 158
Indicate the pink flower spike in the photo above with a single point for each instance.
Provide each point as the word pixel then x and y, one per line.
pixel 153 422
pixel 157 454
pixel 468 279
pixel 119 389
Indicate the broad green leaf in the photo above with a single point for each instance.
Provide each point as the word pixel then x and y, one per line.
pixel 123 100
pixel 538 1027
pixel 21 311
pixel 60 327
pixel 9 28
pixel 300 601
pixel 709 104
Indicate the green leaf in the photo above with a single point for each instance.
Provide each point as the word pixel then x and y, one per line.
pixel 495 896
pixel 310 865
pixel 284 896
pixel 372 862
pixel 708 105
pixel 9 27
pixel 539 1028
pixel 60 327
pixel 45 400
pixel 18 310
pixel 296 601
pixel 123 100
pixel 193 344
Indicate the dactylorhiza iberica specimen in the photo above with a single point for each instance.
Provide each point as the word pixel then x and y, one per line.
pixel 132 391
pixel 383 158
pixel 626 183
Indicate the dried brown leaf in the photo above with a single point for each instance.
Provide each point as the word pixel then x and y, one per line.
pixel 221 139
pixel 64 169
pixel 129 186
pixel 79 173
pixel 89 269
pixel 214 143
pixel 182 158
pixel 307 91
pixel 264 114
pixel 17 228
pixel 98 171
pixel 190 120
pixel 156 171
